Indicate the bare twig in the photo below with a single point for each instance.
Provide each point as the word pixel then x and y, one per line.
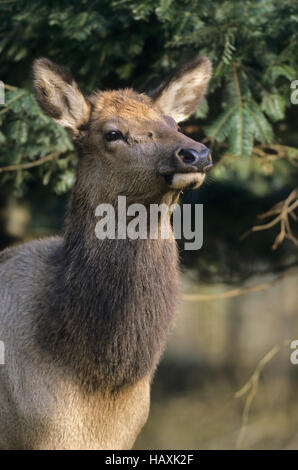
pixel 272 152
pixel 25 166
pixel 233 292
pixel 251 388
pixel 282 211
pixel 9 87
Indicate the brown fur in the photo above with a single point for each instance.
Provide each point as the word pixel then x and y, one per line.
pixel 85 321
pixel 126 104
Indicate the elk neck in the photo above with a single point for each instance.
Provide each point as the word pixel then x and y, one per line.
pixel 115 302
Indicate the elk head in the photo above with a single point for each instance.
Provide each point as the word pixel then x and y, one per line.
pixel 129 143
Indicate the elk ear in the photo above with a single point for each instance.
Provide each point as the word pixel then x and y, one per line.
pixel 59 95
pixel 180 95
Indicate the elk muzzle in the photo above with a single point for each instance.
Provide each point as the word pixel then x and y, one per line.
pixel 187 167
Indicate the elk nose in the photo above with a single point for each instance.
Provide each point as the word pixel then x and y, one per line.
pixel 200 160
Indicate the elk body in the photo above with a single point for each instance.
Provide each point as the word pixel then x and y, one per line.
pixel 84 321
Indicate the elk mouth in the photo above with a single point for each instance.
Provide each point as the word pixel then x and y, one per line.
pixel 185 180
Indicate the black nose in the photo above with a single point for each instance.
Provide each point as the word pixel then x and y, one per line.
pixel 201 160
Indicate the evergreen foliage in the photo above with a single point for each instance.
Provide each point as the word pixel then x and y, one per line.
pixel 116 43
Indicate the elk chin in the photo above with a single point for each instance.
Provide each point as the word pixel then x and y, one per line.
pixel 186 180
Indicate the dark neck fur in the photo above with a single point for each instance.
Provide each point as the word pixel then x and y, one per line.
pixel 115 301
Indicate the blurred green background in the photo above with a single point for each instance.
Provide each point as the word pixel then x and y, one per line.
pixel 250 124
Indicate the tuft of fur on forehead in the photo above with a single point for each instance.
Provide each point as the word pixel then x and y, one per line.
pixel 126 104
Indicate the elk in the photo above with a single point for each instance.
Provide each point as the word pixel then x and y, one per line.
pixel 84 321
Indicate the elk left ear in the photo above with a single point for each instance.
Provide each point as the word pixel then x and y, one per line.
pixel 181 95
pixel 59 96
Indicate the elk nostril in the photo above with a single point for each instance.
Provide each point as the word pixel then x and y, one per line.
pixel 199 160
pixel 189 156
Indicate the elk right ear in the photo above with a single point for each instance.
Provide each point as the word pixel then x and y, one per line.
pixel 59 96
pixel 181 95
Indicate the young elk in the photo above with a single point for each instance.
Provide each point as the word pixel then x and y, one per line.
pixel 84 321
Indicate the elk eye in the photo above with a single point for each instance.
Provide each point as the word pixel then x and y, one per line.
pixel 111 136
